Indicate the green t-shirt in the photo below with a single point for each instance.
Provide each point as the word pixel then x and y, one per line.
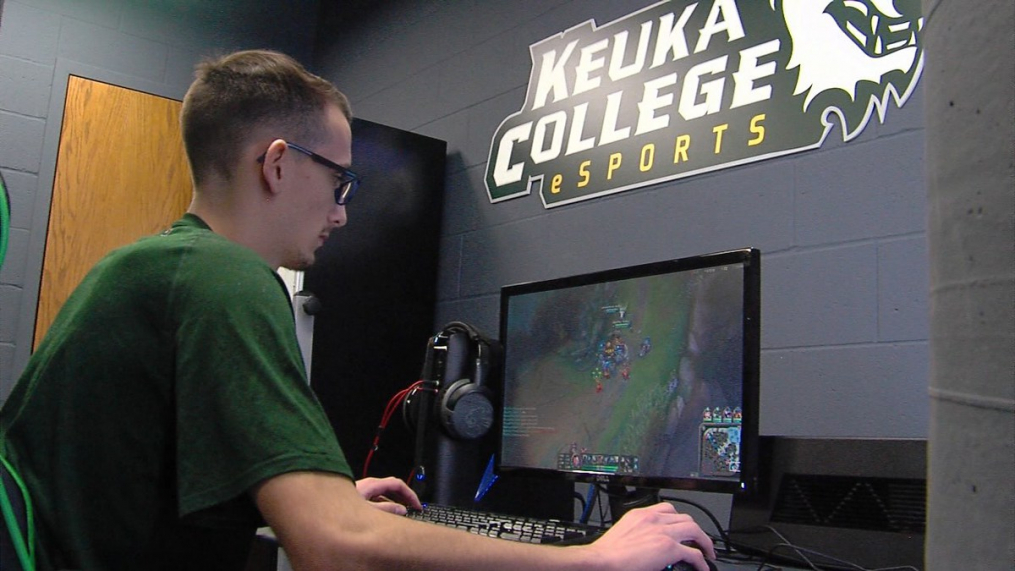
pixel 170 383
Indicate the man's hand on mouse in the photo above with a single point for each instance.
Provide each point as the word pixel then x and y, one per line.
pixel 388 494
pixel 652 538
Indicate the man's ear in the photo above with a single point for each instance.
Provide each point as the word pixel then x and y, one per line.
pixel 271 166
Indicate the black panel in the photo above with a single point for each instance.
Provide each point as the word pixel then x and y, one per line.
pixel 877 504
pixel 855 499
pixel 376 280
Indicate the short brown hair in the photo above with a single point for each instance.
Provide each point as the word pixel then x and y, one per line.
pixel 233 95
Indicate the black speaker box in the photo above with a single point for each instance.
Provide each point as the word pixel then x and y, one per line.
pixel 861 501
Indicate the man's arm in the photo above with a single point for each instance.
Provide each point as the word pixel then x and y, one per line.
pixel 323 523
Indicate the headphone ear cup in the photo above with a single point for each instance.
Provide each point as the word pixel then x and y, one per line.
pixel 410 411
pixel 466 410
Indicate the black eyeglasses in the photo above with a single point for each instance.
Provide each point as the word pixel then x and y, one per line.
pixel 348 181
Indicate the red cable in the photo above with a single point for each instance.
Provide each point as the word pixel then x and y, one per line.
pixel 389 411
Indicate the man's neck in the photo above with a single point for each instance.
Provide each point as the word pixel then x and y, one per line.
pixel 236 220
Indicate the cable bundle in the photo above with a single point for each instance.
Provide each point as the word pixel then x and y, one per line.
pixel 389 411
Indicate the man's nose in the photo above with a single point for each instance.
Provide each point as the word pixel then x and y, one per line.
pixel 338 216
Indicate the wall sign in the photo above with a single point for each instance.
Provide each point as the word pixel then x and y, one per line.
pixel 681 88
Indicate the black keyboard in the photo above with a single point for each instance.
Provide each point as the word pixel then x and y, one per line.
pixel 513 528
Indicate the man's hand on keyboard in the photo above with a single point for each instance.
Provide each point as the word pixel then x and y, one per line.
pixel 388 494
pixel 652 538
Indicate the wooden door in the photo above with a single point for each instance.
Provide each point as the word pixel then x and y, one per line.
pixel 121 173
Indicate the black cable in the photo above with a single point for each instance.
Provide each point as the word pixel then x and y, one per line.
pixel 728 550
pixel 602 517
pixel 581 500
pixel 743 550
pixel 799 551
pixel 788 543
pixel 592 497
pixel 767 529
pixel 708 513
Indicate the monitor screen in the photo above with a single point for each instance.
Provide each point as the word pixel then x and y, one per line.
pixel 644 376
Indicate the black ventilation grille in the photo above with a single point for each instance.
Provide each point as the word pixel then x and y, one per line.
pixel 876 504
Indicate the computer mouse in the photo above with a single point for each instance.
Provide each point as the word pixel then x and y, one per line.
pixel 685 566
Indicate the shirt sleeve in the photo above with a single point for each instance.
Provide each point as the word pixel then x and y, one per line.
pixel 244 410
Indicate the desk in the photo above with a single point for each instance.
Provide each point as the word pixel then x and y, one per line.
pixel 752 566
pixel 266 556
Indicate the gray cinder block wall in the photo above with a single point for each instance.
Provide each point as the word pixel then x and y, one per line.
pixel 842 229
pixel 149 46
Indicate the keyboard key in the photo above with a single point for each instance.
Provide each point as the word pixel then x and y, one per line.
pixel 511 528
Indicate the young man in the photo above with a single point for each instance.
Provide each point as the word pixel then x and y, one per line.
pixel 166 414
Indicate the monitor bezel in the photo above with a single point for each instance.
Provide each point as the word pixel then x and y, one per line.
pixel 748 481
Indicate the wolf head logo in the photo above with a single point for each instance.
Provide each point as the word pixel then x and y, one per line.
pixel 866 49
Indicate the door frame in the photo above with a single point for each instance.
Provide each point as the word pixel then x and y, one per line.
pixel 63 69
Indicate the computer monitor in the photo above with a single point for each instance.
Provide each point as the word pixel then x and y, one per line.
pixel 642 376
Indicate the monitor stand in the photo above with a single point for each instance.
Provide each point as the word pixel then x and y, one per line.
pixel 623 500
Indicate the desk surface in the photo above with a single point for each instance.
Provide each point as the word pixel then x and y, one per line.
pixel 751 566
pixel 267 535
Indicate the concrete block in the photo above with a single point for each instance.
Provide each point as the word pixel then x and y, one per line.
pixel 16 259
pixel 695 216
pixel 217 28
pixel 824 297
pixel 484 119
pixel 10 301
pixel 509 253
pixel 30 33
pixel 25 86
pixel 21 142
pixel 7 379
pixel 491 19
pixel 861 190
pixel 400 38
pixel 487 213
pixel 179 72
pixel 449 268
pixel 408 105
pixel 741 208
pixel 110 49
pixel 903 284
pixel 569 14
pixel 483 313
pixel 99 12
pixel 861 391
pixel 484 71
pixel 452 128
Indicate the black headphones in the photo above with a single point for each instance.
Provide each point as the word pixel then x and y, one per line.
pixel 464 405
